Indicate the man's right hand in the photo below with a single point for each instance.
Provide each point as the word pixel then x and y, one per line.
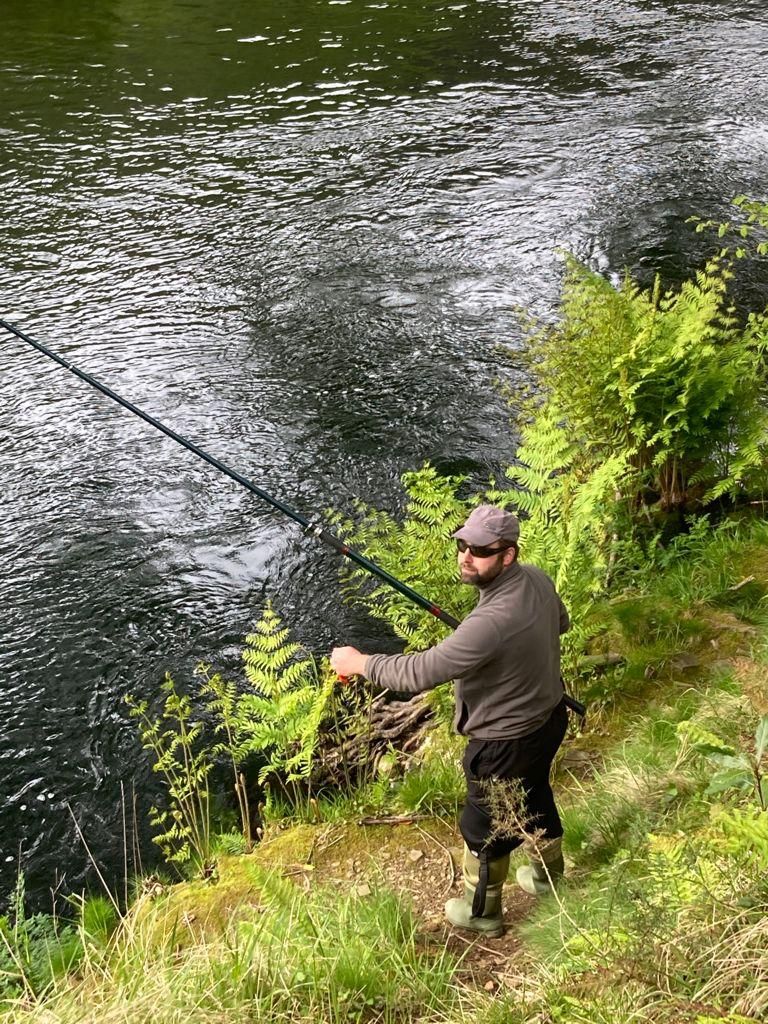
pixel 348 661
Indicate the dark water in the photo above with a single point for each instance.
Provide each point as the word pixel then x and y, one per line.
pixel 294 231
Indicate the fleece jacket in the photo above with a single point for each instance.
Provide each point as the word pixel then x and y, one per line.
pixel 504 658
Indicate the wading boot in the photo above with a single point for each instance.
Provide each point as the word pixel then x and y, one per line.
pixel 474 912
pixel 545 867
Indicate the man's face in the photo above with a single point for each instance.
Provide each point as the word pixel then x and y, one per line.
pixel 481 570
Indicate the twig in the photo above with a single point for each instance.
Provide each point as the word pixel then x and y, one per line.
pixel 333 842
pixel 476 945
pixel 448 854
pixel 318 838
pixel 742 583
pixel 394 819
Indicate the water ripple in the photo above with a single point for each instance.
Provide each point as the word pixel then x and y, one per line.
pixel 298 242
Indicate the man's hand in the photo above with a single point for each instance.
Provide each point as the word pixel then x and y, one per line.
pixel 348 661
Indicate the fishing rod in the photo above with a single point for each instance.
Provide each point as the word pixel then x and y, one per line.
pixel 310 528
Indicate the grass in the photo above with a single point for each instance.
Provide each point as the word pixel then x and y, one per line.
pixel 662 918
pixel 655 898
pixel 292 957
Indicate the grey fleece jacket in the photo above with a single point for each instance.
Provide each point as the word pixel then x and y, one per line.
pixel 504 658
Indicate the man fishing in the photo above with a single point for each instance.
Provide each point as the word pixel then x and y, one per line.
pixel 505 660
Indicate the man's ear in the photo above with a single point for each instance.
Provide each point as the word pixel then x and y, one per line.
pixel 510 556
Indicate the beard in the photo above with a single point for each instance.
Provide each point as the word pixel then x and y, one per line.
pixel 479 579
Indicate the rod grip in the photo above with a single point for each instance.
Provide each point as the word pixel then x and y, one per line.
pixel 575 705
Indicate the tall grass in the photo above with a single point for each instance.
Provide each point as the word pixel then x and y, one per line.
pixel 296 957
pixel 656 906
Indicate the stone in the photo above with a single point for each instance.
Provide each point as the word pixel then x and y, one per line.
pixel 571 758
pixel 684 660
pixel 415 855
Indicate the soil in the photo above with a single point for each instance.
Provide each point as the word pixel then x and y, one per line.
pixel 421 861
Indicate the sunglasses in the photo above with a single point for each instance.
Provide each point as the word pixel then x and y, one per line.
pixel 479 551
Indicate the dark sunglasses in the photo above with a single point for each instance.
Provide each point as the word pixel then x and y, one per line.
pixel 478 551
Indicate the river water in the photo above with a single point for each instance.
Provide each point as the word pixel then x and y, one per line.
pixel 295 232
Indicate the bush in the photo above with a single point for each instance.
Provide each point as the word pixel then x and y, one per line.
pixel 672 380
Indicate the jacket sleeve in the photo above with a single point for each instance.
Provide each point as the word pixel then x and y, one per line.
pixel 474 642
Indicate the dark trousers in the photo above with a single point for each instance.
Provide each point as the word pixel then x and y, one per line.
pixel 527 759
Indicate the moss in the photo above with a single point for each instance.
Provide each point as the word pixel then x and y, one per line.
pixel 283 846
pixel 198 910
pixel 194 910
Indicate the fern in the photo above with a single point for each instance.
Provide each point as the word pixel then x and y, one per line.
pixel 672 381
pixel 417 551
pixel 739 770
pixel 279 717
pixel 745 833
pixel 570 522
pixel 185 763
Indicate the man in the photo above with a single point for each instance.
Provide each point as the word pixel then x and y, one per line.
pixel 505 659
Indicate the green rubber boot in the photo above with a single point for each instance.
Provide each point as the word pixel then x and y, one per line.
pixel 545 867
pixel 459 911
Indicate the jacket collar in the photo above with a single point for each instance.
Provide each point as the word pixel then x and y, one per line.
pixel 502 581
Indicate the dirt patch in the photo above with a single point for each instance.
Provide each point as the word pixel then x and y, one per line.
pixel 753 678
pixel 421 862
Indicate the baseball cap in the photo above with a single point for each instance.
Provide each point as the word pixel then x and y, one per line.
pixel 487 523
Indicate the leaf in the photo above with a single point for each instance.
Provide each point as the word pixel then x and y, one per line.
pixel 703 741
pixel 735 761
pixel 761 737
pixel 729 778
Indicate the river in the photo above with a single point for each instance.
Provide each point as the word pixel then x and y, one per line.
pixel 295 232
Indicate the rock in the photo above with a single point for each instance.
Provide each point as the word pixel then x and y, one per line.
pixel 489 986
pixel 415 855
pixel 362 890
pixel 593 662
pixel 682 661
pixel 572 758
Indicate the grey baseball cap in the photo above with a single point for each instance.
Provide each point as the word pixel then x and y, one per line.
pixel 486 524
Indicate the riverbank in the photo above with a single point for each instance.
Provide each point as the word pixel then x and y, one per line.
pixel 662 917
pixel 297 234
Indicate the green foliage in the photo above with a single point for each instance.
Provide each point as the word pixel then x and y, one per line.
pixel 739 770
pixel 417 551
pixel 678 904
pixel 320 956
pixel 36 950
pixel 222 702
pixel 745 833
pixel 435 785
pixel 290 697
pixel 278 719
pixel 362 961
pixel 280 715
pixel 98 918
pixel 175 740
pixel 747 234
pixel 570 524
pixel 671 381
